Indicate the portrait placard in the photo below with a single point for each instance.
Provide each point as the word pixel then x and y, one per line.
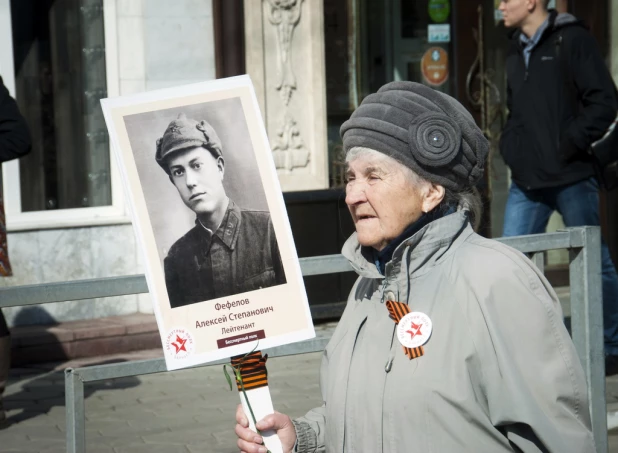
pixel 209 216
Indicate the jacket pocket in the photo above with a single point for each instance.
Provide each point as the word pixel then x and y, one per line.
pixel 262 280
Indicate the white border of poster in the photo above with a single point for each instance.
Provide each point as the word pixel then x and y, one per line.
pixel 207 330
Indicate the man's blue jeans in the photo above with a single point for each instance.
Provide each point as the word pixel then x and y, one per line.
pixel 528 211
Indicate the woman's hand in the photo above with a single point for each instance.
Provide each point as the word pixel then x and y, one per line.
pixel 250 442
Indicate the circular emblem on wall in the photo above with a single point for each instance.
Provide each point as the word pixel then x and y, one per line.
pixel 414 329
pixel 179 343
pixel 439 10
pixel 434 66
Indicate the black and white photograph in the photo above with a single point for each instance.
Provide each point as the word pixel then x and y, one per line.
pixel 206 201
pixel 210 221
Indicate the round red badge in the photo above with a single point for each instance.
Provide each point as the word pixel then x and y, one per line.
pixel 414 329
pixel 179 343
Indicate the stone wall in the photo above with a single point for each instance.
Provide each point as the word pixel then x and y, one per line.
pixel 163 44
pixel 74 254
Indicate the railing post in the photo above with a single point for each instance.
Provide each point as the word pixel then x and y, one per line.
pixel 74 397
pixel 587 325
pixel 538 259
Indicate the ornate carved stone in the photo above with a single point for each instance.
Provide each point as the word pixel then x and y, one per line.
pixel 289 150
pixel 285 59
pixel 285 15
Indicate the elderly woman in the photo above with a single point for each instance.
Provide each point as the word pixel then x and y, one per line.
pixel 449 342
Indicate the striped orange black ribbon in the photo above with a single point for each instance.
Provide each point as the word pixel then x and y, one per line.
pixel 252 370
pixel 396 311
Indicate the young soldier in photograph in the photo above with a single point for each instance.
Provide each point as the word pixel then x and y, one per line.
pixel 230 250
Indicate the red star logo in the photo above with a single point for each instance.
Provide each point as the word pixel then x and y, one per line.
pixel 179 344
pixel 416 330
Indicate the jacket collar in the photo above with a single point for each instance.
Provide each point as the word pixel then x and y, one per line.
pixel 533 40
pixel 228 229
pixel 386 254
pixel 423 248
pixel 548 25
pixel 555 21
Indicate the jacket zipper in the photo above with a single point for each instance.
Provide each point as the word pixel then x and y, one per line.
pixel 389 364
pixel 526 72
pixel 558 45
pixel 387 369
pixel 523 59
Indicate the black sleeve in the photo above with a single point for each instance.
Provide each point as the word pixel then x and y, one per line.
pixel 509 101
pixel 511 61
pixel 504 135
pixel 595 88
pixel 14 135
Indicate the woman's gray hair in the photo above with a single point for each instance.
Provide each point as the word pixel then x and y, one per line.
pixel 468 198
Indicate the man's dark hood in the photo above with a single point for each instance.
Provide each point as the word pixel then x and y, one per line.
pixel 566 20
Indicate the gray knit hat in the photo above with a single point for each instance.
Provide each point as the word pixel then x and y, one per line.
pixel 422 128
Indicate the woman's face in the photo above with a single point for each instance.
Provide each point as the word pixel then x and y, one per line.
pixel 384 200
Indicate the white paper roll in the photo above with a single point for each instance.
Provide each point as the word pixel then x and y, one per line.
pixel 262 405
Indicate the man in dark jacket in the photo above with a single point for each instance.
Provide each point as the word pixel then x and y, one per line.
pixel 14 142
pixel 561 98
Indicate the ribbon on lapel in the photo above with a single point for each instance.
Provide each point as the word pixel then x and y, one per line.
pixel 396 311
pixel 252 370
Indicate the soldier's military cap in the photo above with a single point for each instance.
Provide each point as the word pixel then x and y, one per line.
pixel 184 133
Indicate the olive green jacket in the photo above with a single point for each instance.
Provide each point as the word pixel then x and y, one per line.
pixel 499 372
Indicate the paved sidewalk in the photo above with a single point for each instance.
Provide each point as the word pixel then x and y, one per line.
pixel 185 411
pixel 182 411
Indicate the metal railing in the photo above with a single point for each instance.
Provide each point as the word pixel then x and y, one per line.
pixel 583 244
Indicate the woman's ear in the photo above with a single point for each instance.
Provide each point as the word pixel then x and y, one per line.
pixel 434 195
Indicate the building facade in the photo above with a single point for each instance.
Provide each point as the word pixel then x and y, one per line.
pixel 66 214
pixel 312 62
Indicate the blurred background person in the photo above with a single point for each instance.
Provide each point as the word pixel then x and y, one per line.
pixel 561 98
pixel 14 142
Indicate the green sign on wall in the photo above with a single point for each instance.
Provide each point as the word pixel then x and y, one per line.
pixel 439 10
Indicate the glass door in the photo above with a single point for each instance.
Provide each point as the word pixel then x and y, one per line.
pixel 420 37
pixel 369 43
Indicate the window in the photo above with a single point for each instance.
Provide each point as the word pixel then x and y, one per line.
pixel 370 43
pixel 60 74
